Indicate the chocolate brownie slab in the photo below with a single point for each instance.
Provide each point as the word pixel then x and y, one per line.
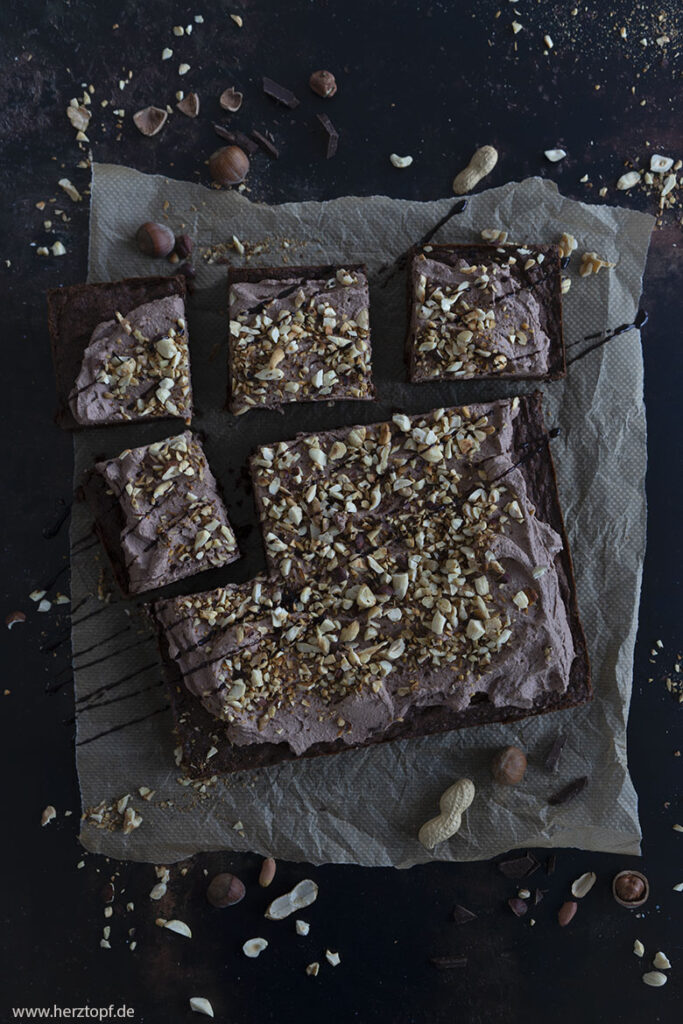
pixel 422 608
pixel 481 311
pixel 298 334
pixel 120 351
pixel 159 515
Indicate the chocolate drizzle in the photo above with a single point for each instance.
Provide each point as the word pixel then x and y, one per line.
pixel 388 271
pixel 124 725
pixel 640 319
pixel 52 529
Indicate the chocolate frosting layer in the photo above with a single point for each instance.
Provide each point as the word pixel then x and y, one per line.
pixel 485 313
pixel 295 339
pixel 434 593
pixel 174 523
pixel 136 365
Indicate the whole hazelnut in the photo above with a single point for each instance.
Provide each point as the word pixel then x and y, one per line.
pixel 229 165
pixel 323 83
pixel 155 239
pixel 183 246
pixel 630 888
pixel 508 766
pixel 225 890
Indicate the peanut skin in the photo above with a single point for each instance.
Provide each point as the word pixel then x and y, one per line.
pixel 452 804
pixel 482 163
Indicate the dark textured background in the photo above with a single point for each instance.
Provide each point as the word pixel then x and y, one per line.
pixel 432 80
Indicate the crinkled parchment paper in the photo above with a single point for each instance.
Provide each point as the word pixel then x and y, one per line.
pixel 365 806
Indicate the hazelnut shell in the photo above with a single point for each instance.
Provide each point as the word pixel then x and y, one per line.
pixel 225 890
pixel 323 83
pixel 508 766
pixel 231 100
pixel 189 105
pixel 150 120
pixel 155 239
pixel 229 165
pixel 630 904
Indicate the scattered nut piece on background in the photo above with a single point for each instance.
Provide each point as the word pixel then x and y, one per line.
pixel 332 958
pixel 189 105
pixel 638 948
pixel 231 100
pixel 323 83
pixel 555 155
pixel 655 979
pixel 179 927
pixel 456 799
pixel 482 163
pixel 229 165
pixel 591 263
pixel 508 766
pixel 302 895
pixel 201 1005
pixel 661 961
pixel 302 927
pixel 150 120
pixel 566 913
pixel 225 890
pixel 267 873
pixel 628 180
pixel 583 885
pixel 400 161
pixel 254 947
pixel 48 815
pixel 313 969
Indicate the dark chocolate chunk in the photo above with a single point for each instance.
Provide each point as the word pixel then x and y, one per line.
pixel 518 867
pixel 550 866
pixel 554 754
pixel 237 138
pixel 569 791
pixel 447 963
pixel 266 144
pixel 517 906
pixel 279 93
pixel 332 134
pixel 461 915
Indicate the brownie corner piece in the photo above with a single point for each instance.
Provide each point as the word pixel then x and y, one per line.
pixel 482 311
pixel 159 514
pixel 120 351
pixel 298 334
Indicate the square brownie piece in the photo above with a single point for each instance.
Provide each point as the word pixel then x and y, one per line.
pixel 420 581
pixel 485 311
pixel 159 514
pixel 298 334
pixel 120 351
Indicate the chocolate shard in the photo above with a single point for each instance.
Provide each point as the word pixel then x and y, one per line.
pixel 237 138
pixel 461 915
pixel 550 865
pixel 518 867
pixel 447 963
pixel 332 135
pixel 265 143
pixel 569 792
pixel 279 93
pixel 517 906
pixel 555 753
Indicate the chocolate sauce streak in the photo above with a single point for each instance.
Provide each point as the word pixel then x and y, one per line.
pixel 641 318
pixel 106 657
pixel 79 605
pixel 117 700
pixel 86 650
pixel 387 272
pixel 50 690
pixel 91 615
pixel 125 725
pixel 55 526
pixel 61 639
pixel 112 686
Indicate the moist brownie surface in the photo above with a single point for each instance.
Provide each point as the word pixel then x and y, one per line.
pixel 419 581
pixel 159 514
pixel 120 351
pixel 485 311
pixel 298 335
